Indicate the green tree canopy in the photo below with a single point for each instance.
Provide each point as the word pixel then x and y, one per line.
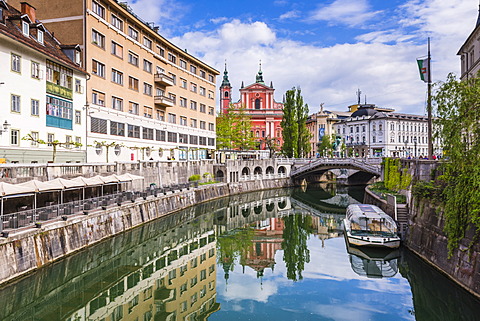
pixel 296 137
pixel 234 130
pixel 458 125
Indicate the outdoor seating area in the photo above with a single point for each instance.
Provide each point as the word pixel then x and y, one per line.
pixel 34 202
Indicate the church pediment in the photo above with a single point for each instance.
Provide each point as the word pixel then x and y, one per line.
pixel 257 86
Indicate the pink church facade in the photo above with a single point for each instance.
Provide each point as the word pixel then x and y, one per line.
pixel 259 103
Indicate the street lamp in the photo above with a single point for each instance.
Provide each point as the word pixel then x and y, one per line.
pixel 6 126
pixel 415 145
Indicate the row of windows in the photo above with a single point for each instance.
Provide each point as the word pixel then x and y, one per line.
pixel 98 98
pixel 148 43
pixel 35 137
pixel 100 126
pixel 54 107
pixel 400 127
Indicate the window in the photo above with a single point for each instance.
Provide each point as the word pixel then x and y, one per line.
pixel 133 131
pixel 202 140
pixel 117 50
pixel 78 86
pixel 183 64
pixel 161 51
pixel 117 103
pixel 147 111
pixel 202 91
pixel 133 58
pixel 98 9
pixel 159 114
pixel 117 22
pixel 193 87
pixel 211 110
pixel 78 117
pixel 211 127
pixel 78 140
pixel 40 36
pixel 147 89
pixel 25 28
pixel 257 103
pixel 117 77
pixel 133 108
pixel 98 39
pixel 98 125
pixel 50 139
pixel 174 77
pixel 14 136
pixel 183 121
pixel 183 83
pixel 193 105
pixel 203 74
pixel 211 78
pixel 34 141
pixel 147 43
pixel 147 66
pixel 172 58
pixel 16 63
pixel 173 98
pixel 183 102
pixel 35 70
pixel 211 95
pixel 98 68
pixel 68 140
pixel 203 108
pixel 147 134
pixel 133 83
pixel 172 137
pixel 132 33
pixel 160 135
pixel 193 69
pixel 172 118
pixel 193 123
pixel 193 140
pixel 202 124
pixel 15 105
pixel 183 138
pixel 35 107
pixel 98 98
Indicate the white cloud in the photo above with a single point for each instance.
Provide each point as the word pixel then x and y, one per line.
pixel 289 15
pixel 349 12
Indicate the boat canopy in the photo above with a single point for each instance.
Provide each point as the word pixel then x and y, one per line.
pixel 366 219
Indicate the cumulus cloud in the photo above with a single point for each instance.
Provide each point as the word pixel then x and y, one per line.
pixel 349 12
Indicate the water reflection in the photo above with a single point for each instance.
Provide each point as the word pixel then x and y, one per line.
pixel 269 255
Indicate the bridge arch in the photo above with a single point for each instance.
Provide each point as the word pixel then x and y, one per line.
pixel 270 170
pixel 281 170
pixel 257 170
pixel 245 171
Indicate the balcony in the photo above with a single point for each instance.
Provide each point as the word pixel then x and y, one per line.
pixel 162 79
pixel 164 101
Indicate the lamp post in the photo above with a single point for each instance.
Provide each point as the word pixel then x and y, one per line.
pixel 415 145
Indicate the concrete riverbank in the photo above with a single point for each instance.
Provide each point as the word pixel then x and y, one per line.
pixel 31 248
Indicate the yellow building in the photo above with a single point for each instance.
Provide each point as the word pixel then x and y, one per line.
pixel 146 98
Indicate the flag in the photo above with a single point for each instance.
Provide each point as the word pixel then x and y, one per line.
pixel 423 68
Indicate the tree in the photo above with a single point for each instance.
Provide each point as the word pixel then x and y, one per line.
pixel 107 146
pixel 55 144
pixel 325 146
pixel 296 137
pixel 234 130
pixel 271 144
pixel 458 126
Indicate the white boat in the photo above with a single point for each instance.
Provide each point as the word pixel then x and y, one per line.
pixel 368 225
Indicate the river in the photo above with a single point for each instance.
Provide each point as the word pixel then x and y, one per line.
pixel 272 255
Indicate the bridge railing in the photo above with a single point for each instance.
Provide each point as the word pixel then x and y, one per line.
pixel 369 164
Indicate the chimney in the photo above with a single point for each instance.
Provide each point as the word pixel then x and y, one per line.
pixel 29 10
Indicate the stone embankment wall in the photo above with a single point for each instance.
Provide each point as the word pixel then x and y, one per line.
pixel 29 249
pixel 426 238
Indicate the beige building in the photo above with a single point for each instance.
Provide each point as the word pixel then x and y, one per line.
pixel 321 124
pixel 470 53
pixel 146 98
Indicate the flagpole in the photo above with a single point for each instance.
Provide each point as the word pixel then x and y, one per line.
pixel 429 103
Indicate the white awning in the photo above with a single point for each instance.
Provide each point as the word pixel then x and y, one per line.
pixel 128 177
pixel 7 189
pixel 108 179
pixel 38 186
pixel 67 183
pixel 92 181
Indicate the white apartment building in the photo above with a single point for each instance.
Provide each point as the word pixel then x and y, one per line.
pixel 372 133
pixel 41 91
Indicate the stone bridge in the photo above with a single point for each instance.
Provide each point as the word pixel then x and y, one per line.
pixel 347 170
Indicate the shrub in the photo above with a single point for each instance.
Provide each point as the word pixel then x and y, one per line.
pixel 194 178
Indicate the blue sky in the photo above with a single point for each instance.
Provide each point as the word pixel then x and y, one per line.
pixel 329 48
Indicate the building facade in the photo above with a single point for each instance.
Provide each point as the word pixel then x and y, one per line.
pixel 470 53
pixel 146 98
pixel 321 124
pixel 258 102
pixel 42 90
pixel 373 133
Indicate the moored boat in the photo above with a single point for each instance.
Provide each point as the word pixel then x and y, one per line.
pixel 368 225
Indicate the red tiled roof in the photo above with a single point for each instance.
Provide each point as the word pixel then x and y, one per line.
pixel 50 46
